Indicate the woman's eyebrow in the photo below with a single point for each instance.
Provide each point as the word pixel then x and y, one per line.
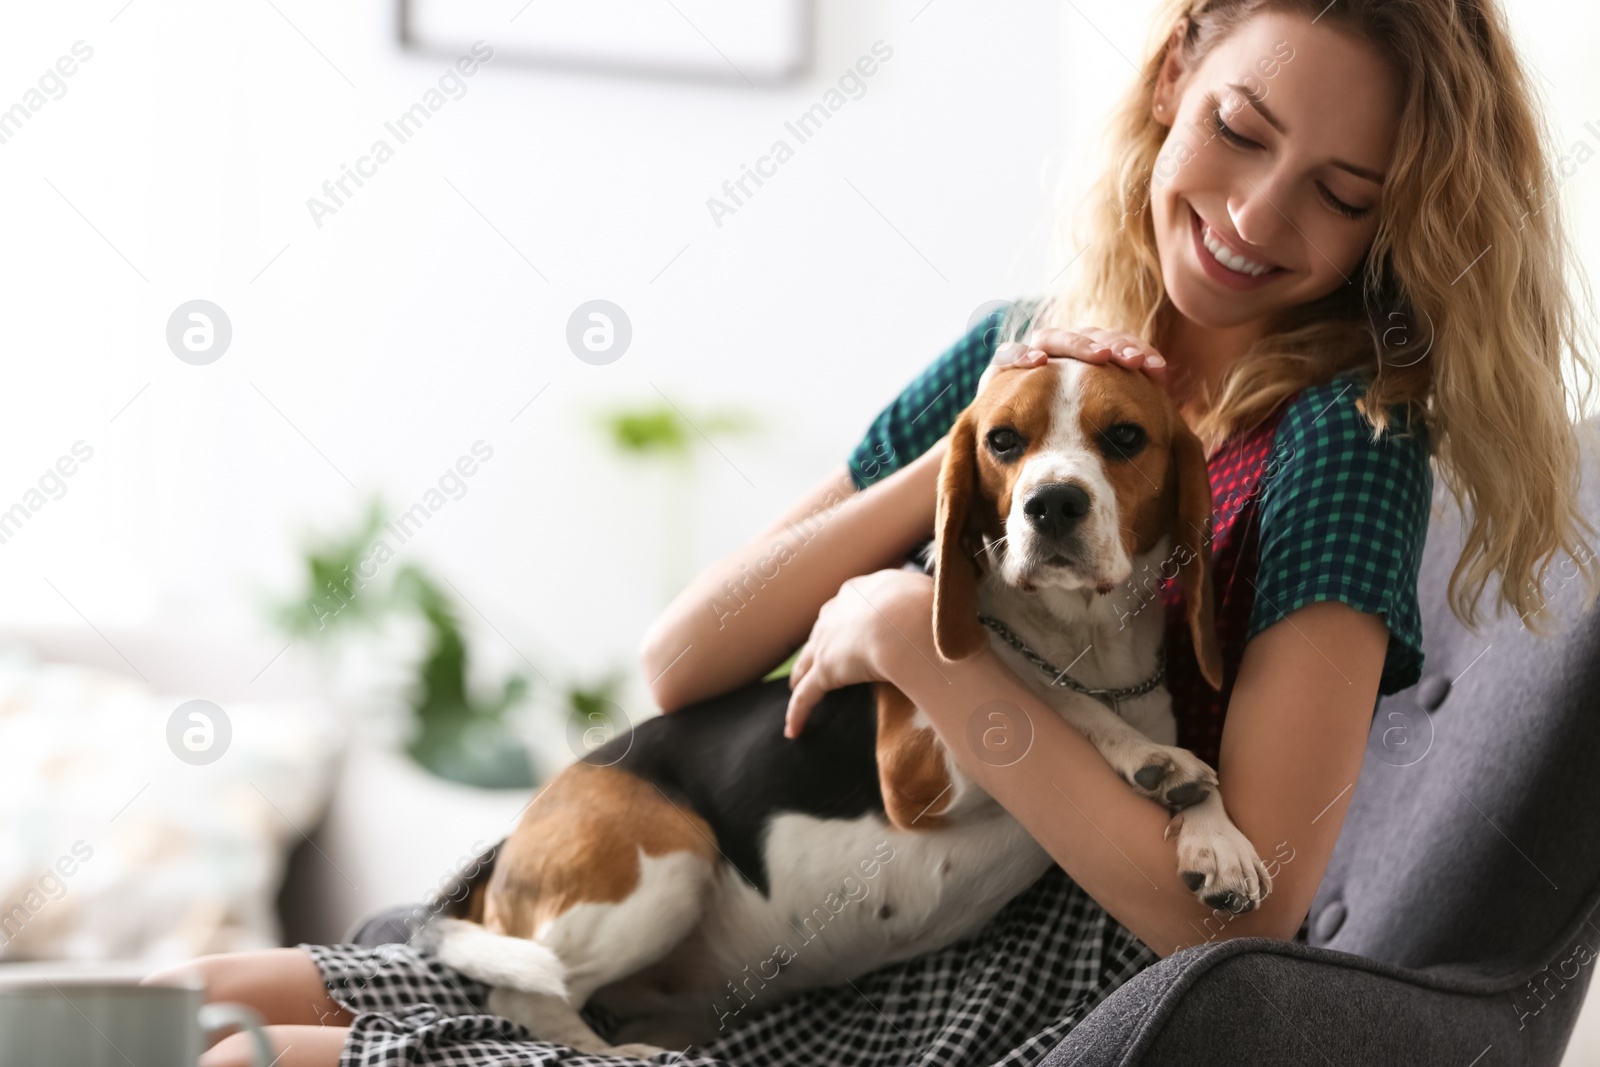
pixel 1273 121
pixel 1257 103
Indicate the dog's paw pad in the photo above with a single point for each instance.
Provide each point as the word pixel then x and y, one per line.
pixel 1187 795
pixel 1174 777
pixel 1230 901
pixel 1150 776
pixel 1193 879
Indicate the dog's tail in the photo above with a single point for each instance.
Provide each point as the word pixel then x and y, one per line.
pixel 507 962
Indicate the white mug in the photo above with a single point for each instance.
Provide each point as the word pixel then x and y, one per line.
pixel 97 1020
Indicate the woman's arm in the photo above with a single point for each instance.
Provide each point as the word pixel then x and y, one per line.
pixel 1291 752
pixel 742 616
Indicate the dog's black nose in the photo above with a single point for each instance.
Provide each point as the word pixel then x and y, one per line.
pixel 1057 508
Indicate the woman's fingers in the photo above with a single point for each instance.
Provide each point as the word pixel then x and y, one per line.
pixel 1016 354
pixel 802 663
pixel 803 691
pixel 1101 346
pixel 1133 351
pixel 801 701
pixel 1090 346
pixel 1155 367
pixel 1073 344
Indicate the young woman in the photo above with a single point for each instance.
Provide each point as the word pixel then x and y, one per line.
pixel 1330 230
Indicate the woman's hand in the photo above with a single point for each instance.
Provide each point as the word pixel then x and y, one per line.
pixel 849 634
pixel 1090 345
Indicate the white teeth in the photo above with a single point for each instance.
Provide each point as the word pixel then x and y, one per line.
pixel 1222 254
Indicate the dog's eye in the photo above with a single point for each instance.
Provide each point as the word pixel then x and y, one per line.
pixel 1004 442
pixel 1123 440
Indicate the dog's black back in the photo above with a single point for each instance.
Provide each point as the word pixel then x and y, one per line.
pixel 727 760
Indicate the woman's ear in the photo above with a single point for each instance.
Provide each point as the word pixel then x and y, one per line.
pixel 1164 97
pixel 1193 550
pixel 957 633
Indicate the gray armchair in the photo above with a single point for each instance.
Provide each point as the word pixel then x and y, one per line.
pixel 1458 913
pixel 1457 920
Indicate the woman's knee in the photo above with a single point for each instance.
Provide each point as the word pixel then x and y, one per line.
pixel 294 1046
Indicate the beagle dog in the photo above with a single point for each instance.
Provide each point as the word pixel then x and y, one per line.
pixel 703 864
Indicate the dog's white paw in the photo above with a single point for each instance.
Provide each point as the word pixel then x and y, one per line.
pixel 1217 862
pixel 1174 777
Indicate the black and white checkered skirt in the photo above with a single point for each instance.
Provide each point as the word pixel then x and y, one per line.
pixel 1005 996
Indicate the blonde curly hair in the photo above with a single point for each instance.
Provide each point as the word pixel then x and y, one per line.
pixel 1507 368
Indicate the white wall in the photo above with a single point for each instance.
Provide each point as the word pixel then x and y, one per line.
pixel 406 328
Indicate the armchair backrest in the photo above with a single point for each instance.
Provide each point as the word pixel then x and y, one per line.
pixel 1472 844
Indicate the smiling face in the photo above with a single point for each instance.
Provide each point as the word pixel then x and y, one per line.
pixel 1266 192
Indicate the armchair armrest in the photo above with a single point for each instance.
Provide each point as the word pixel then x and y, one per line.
pixel 1256 1000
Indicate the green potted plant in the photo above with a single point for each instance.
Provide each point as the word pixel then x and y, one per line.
pixel 455 733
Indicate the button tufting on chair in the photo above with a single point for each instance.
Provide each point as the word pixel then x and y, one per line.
pixel 1328 921
pixel 1432 690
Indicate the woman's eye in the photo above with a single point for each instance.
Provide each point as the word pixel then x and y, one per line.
pixel 1349 211
pixel 1004 440
pixel 1124 439
pixel 1228 133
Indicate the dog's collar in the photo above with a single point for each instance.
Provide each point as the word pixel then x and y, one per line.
pixel 1111 698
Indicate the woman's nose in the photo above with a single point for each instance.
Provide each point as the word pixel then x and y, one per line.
pixel 1256 210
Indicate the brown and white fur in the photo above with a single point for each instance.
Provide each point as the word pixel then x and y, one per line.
pixel 1061 483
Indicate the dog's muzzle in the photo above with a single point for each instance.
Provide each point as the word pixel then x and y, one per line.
pixel 1056 510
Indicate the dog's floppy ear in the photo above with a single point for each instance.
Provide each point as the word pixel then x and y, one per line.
pixel 957 633
pixel 1193 549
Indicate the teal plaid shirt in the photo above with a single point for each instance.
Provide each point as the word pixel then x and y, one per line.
pixel 1343 518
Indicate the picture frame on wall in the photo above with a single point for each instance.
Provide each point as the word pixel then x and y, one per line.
pixel 748 42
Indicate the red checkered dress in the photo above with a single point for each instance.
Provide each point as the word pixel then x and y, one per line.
pixel 1237 472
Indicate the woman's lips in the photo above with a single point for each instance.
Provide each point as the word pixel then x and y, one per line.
pixel 1231 278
